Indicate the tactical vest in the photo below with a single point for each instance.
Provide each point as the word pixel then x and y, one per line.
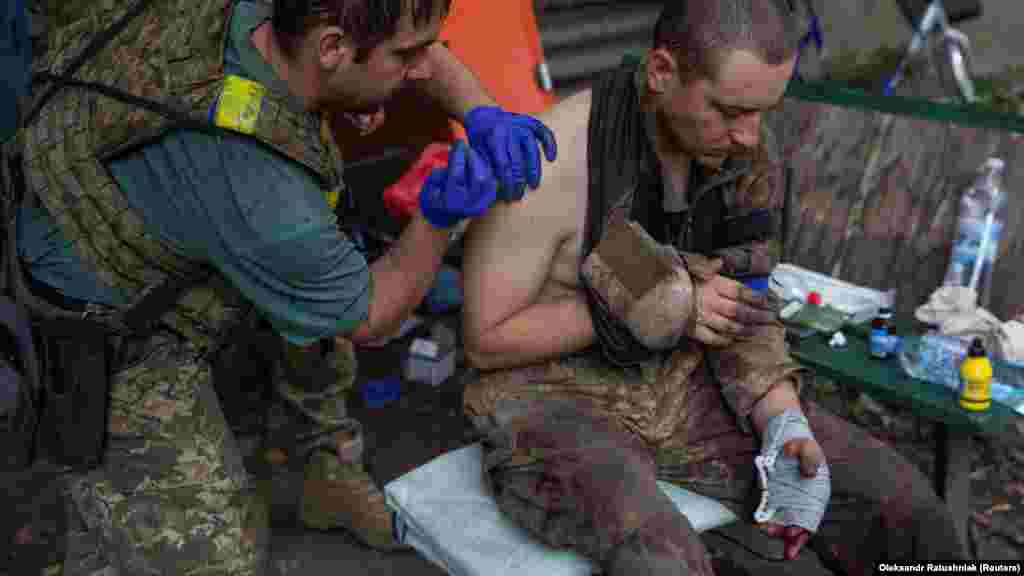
pixel 170 51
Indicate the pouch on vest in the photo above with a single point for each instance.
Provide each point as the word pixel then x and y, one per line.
pixel 19 388
pixel 76 368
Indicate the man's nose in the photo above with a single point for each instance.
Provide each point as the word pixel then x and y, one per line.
pixel 421 70
pixel 746 133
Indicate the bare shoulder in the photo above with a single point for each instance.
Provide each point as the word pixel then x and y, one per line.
pixel 570 120
pixel 569 114
pixel 567 177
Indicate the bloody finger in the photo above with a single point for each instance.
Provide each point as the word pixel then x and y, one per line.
pixel 795 544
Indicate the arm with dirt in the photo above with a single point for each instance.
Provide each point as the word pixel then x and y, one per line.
pixel 758 376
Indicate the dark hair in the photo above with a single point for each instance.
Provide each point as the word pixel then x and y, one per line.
pixel 366 22
pixel 698 30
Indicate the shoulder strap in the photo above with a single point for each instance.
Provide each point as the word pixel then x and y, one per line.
pixel 612 134
pixel 616 162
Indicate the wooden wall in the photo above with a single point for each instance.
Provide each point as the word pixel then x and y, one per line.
pixel 874 198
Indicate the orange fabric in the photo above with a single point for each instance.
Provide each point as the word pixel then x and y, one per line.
pixel 503 57
pixel 500 42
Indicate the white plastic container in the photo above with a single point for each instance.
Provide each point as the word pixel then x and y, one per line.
pixel 790 283
pixel 431 360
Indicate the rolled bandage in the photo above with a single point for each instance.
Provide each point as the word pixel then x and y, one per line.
pixel 788 498
pixel 644 284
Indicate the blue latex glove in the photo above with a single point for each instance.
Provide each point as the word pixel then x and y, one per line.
pixel 510 142
pixel 756 283
pixel 465 189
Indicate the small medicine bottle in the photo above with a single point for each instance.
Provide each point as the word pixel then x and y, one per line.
pixel 879 341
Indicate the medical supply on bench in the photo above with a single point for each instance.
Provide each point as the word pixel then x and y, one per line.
pixel 432 360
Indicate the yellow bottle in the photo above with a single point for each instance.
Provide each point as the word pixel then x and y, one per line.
pixel 976 373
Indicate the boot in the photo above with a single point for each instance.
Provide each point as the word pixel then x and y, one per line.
pixel 337 492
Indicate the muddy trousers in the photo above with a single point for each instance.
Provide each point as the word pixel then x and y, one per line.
pixel 570 473
pixel 170 497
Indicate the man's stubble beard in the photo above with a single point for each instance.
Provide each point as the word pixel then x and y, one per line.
pixel 680 150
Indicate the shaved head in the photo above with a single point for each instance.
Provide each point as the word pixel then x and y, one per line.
pixel 700 32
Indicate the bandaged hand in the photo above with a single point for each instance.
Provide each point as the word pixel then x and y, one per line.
pixel 794 479
pixel 724 310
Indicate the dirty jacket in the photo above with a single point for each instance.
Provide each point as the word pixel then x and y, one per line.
pixel 733 215
pixel 171 52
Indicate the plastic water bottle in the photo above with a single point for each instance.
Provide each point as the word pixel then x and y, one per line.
pixel 979 229
pixel 936 358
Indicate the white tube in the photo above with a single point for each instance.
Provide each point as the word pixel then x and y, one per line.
pixel 982 256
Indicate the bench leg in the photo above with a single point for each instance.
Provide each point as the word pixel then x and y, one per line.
pixel 952 474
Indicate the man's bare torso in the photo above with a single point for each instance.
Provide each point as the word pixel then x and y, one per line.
pixel 527 255
pixel 572 117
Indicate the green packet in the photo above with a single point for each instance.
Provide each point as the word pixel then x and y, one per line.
pixel 820 318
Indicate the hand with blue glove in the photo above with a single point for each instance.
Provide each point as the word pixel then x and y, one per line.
pixel 465 189
pixel 510 142
pixel 794 479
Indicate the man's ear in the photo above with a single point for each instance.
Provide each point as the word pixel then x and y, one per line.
pixel 662 70
pixel 335 49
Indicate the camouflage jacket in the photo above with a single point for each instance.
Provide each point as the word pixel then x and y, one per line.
pixel 732 215
pixel 169 51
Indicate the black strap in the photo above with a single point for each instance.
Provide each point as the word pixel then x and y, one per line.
pixel 754 227
pixel 183 118
pixel 618 159
pixel 143 317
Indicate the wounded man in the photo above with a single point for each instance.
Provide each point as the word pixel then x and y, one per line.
pixel 616 347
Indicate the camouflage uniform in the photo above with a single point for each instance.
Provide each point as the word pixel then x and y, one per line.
pixel 574 447
pixel 172 496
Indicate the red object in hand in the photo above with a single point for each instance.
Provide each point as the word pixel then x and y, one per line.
pixel 814 298
pixel 402 198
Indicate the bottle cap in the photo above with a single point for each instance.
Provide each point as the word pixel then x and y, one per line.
pixel 994 165
pixel 814 298
pixel 977 349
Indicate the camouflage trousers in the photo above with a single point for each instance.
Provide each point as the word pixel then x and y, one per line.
pixel 171 496
pixel 565 461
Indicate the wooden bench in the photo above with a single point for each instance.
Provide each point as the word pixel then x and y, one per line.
pixel 885 380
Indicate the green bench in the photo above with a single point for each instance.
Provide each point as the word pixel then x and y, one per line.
pixel 885 380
